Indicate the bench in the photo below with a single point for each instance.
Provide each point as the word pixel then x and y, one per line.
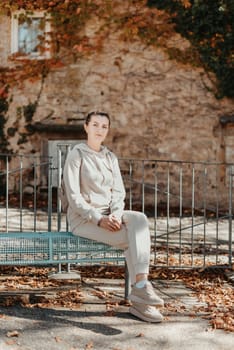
pixel 56 245
pixel 56 248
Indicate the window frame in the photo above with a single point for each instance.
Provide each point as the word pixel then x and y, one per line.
pixel 15 35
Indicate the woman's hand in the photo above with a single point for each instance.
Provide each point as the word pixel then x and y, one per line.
pixel 110 223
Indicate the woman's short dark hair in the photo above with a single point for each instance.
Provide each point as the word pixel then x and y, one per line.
pixel 89 116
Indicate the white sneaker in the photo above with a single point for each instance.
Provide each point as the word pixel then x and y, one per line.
pixel 145 295
pixel 146 313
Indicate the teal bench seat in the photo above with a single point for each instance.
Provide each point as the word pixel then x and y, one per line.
pixel 43 248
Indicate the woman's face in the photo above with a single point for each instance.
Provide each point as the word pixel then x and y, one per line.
pixel 97 128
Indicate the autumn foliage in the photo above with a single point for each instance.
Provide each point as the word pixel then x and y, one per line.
pixel 207 25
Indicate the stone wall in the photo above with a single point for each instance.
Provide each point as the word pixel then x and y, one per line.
pixel 160 108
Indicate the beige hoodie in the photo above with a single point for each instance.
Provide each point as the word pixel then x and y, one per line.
pixel 93 184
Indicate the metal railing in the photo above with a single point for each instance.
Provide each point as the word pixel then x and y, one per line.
pixel 190 209
pixel 25 193
pixel 189 204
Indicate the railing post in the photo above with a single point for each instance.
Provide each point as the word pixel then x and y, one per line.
pixel 7 192
pixel 35 193
pixel 21 192
pixel 59 179
pixel 130 186
pixel 192 213
pixel 230 214
pixel 61 158
pixel 180 210
pixel 155 209
pixel 204 213
pixel 143 186
pixel 168 210
pixel 49 193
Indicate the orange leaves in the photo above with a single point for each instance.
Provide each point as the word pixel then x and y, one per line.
pixel 78 10
pixel 25 70
pixel 186 3
pixel 210 288
pixel 54 64
pixel 26 282
pixel 100 294
pixel 31 70
pixel 83 48
pixel 3 92
pixel 69 299
pixel 153 26
pixel 79 48
pixel 220 304
pixel 223 322
pixel 27 287
pixel 51 3
pixel 68 39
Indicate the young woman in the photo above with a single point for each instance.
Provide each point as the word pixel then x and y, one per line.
pixel 96 196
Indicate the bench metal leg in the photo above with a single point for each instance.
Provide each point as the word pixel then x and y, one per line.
pixel 65 275
pixel 127 282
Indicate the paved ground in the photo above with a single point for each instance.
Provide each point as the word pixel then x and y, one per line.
pixel 95 326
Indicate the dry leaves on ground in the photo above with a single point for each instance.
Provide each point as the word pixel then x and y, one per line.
pixel 209 286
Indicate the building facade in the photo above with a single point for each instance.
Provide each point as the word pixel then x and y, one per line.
pixel 160 109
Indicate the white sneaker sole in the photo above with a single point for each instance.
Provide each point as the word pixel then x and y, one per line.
pixel 139 315
pixel 136 299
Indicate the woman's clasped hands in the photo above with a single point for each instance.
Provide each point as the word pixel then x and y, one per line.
pixel 110 223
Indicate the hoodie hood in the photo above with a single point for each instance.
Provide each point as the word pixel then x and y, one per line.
pixel 82 146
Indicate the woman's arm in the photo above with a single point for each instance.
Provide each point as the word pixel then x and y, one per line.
pixel 118 191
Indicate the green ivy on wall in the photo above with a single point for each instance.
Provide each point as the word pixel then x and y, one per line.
pixel 209 26
pixel 4 104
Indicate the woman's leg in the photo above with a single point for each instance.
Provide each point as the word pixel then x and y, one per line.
pixel 138 257
pixel 133 238
pixel 138 252
pixel 118 239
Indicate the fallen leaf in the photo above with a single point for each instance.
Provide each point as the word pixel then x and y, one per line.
pixel 10 342
pixel 12 334
pixel 140 335
pixel 110 313
pixel 89 346
pixel 58 339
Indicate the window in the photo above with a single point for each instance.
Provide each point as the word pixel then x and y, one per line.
pixel 30 34
pixel 57 152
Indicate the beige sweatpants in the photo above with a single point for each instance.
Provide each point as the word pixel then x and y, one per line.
pixel 133 238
